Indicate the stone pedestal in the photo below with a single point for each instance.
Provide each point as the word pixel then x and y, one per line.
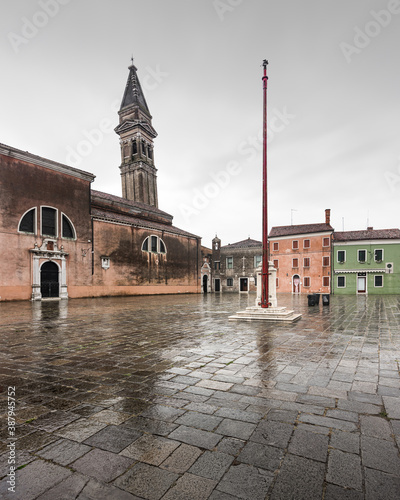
pixel 271 313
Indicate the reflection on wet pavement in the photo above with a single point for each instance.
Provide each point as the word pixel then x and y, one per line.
pixel 163 397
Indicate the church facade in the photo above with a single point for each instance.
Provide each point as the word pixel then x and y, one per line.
pixel 63 239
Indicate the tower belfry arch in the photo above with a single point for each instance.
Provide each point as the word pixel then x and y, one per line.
pixel 138 171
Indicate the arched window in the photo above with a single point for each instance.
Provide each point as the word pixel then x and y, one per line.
pixel 154 244
pixel 27 222
pixel 49 221
pixel 67 230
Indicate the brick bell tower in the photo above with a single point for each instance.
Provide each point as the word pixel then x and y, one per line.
pixel 138 173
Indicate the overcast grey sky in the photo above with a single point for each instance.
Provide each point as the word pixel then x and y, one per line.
pixel 333 103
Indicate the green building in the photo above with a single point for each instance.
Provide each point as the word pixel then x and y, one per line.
pixel 366 262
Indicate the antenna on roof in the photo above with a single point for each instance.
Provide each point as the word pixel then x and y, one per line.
pixel 342 223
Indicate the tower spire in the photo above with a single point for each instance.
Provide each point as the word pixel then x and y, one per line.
pixel 138 173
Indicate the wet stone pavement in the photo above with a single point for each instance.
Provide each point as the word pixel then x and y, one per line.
pixel 164 398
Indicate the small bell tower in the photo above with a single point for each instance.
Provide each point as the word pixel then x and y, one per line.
pixel 138 173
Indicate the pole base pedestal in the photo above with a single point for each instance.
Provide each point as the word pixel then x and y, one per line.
pixel 266 314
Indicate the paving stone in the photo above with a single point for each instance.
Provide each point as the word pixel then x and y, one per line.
pixel 35 440
pixel 359 407
pixel 34 479
pixel 302 408
pixel 328 422
pixel 63 451
pixel 195 437
pixel 301 477
pixel 381 486
pixel 54 420
pixel 111 417
pixel 80 430
pixel 334 492
pixel 244 416
pixel 181 459
pixel 95 490
pixel 260 455
pixel 309 445
pixel 272 433
pixel 316 400
pixel 149 425
pixel 395 426
pixel 246 482
pixel 67 489
pixel 146 481
pixel 345 441
pixel 362 397
pixel 287 416
pixel 315 429
pixel 235 428
pixel 350 416
pixel 380 454
pixel 344 469
pixel 392 406
pixel 212 464
pixel 219 495
pixel 201 407
pixel 199 420
pixel 376 427
pixel 150 449
pixel 190 486
pixel 164 413
pixel 113 438
pixel 231 446
pixel 214 385
pixel 102 465
pixel 199 391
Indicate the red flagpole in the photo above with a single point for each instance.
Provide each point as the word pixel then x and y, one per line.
pixel 264 294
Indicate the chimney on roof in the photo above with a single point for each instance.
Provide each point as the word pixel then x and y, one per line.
pixel 370 228
pixel 328 216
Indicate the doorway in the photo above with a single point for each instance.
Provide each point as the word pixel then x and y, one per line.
pixel 217 285
pixel 361 283
pixel 296 283
pixel 244 285
pixel 49 285
pixel 205 283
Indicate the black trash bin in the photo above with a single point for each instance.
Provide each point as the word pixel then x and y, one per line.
pixel 311 299
pixel 325 300
pixel 316 296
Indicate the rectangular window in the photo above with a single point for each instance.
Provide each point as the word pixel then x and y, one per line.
pixel 150 153
pixel 341 282
pixel 134 147
pixel 378 280
pixel 154 243
pixel 295 244
pixel 326 261
pixel 325 281
pixel 276 246
pixel 295 263
pixel 362 255
pixel 276 263
pixel 49 221
pixel 341 256
pixel 257 260
pixel 229 282
pixel 229 262
pixel 326 242
pixel 378 255
pixel 306 281
pixel 306 262
pixel 217 265
pixel 306 244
